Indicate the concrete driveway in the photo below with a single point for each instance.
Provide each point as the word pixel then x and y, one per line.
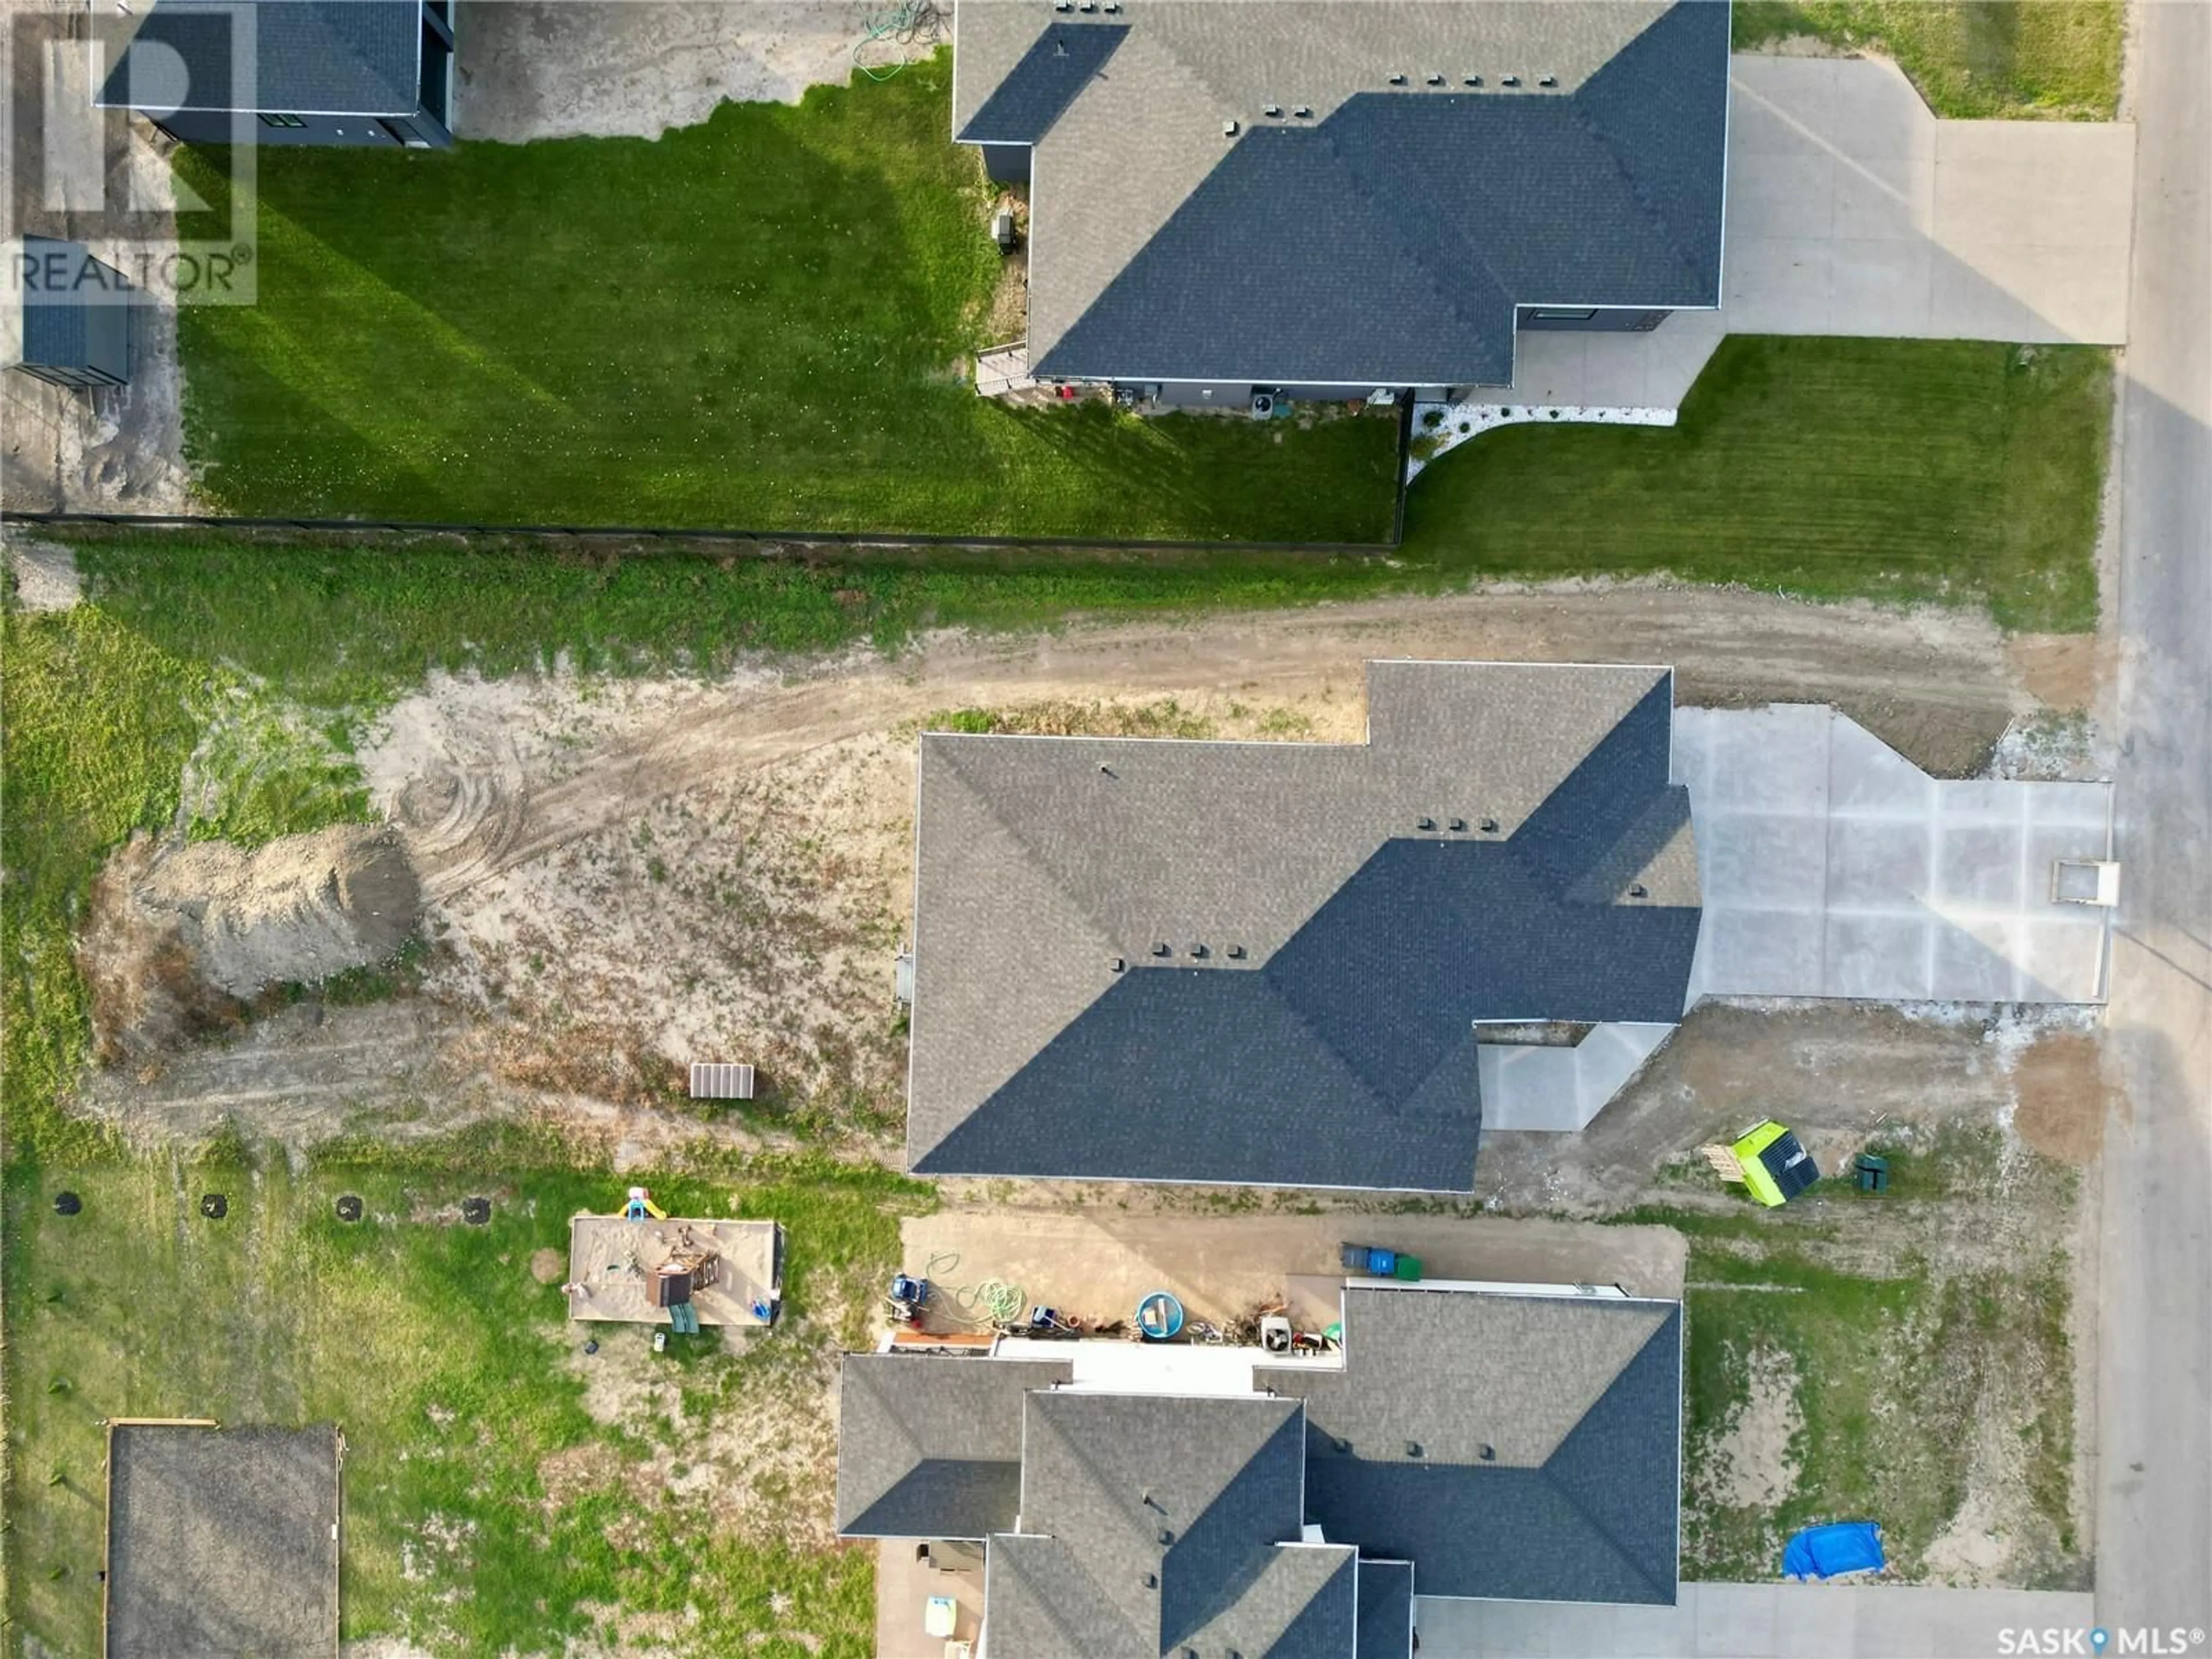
pixel 1851 209
pixel 1770 1622
pixel 1832 866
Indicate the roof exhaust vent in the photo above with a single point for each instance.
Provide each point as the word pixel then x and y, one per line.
pixel 1236 953
pixel 1166 1537
pixel 1548 81
pixel 1489 1453
pixel 1490 826
pixel 1509 80
pixel 1412 1448
pixel 1397 79
pixel 1473 80
pixel 1163 950
pixel 1116 965
pixel 1436 79
pixel 1303 112
pixel 1059 48
pixel 1458 825
pixel 1199 953
pixel 1427 823
pixel 1637 891
pixel 1228 129
pixel 1151 1581
pixel 1273 112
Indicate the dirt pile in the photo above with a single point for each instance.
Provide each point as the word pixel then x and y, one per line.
pixel 181 938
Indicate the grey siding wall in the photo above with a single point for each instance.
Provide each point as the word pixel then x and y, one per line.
pixel 1600 321
pixel 369 132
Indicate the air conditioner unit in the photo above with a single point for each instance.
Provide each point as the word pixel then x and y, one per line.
pixel 1263 405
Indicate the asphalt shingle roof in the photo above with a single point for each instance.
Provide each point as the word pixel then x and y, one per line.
pixel 931 1446
pixel 1388 235
pixel 335 57
pixel 1386 1610
pixel 1577 1403
pixel 1338 1048
pixel 1153 1525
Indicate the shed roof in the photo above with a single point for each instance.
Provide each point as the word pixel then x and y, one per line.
pixel 321 57
pixel 74 308
pixel 1181 231
pixel 1326 1036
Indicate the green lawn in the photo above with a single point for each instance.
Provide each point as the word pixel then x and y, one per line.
pixel 486 1511
pixel 1979 58
pixel 757 323
pixel 1954 471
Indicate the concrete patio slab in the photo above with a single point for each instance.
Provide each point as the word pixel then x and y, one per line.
pixel 1527 1086
pixel 1834 868
pixel 1778 1620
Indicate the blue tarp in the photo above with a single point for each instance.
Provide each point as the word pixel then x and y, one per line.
pixel 1829 1552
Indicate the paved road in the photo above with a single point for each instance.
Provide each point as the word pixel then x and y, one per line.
pixel 2154 1480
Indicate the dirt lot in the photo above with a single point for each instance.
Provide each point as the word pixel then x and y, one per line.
pixel 636 68
pixel 622 876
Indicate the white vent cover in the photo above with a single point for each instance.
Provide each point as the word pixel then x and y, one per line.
pixel 718 1081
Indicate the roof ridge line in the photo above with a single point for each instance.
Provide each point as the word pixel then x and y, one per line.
pixel 1037 861
pixel 1596 1526
pixel 1633 187
pixel 1090 1466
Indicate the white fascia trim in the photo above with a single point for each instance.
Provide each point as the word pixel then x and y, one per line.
pixel 1182 1181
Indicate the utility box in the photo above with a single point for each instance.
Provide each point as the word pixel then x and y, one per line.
pixel 1002 230
pixel 713 1080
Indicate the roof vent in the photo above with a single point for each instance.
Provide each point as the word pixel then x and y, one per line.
pixel 1113 6
pixel 1489 1453
pixel 1303 112
pixel 1163 949
pixel 1473 80
pixel 1435 79
pixel 1427 823
pixel 1116 965
pixel 1273 112
pixel 1063 5
pixel 1166 1537
pixel 1548 81
pixel 1228 129
pixel 1509 80
pixel 1490 826
pixel 1236 953
pixel 1059 48
pixel 1088 5
pixel 1151 1581
pixel 1458 825
pixel 1397 79
pixel 1412 1448
pixel 1636 890
pixel 1199 952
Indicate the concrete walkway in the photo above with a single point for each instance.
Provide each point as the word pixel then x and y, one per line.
pixel 1851 209
pixel 1754 1621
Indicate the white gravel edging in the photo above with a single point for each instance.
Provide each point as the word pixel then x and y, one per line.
pixel 1461 421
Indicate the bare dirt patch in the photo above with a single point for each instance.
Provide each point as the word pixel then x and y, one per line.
pixel 546 1265
pixel 42 575
pixel 181 936
pixel 2062 1095
pixel 1755 1467
pixel 560 70
pixel 2064 671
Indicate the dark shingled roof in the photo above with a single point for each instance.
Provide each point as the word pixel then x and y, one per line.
pixel 1577 1404
pixel 1153 1524
pixel 1386 1610
pixel 1345 1054
pixel 333 56
pixel 1022 108
pixel 1390 240
pixel 931 1446
pixel 74 311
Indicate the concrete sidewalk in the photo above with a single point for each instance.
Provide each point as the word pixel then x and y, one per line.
pixel 1754 1621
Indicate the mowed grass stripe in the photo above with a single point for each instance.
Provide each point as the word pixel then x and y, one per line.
pixel 760 322
pixel 1832 468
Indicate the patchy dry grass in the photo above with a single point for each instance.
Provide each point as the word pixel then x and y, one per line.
pixel 505 1492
